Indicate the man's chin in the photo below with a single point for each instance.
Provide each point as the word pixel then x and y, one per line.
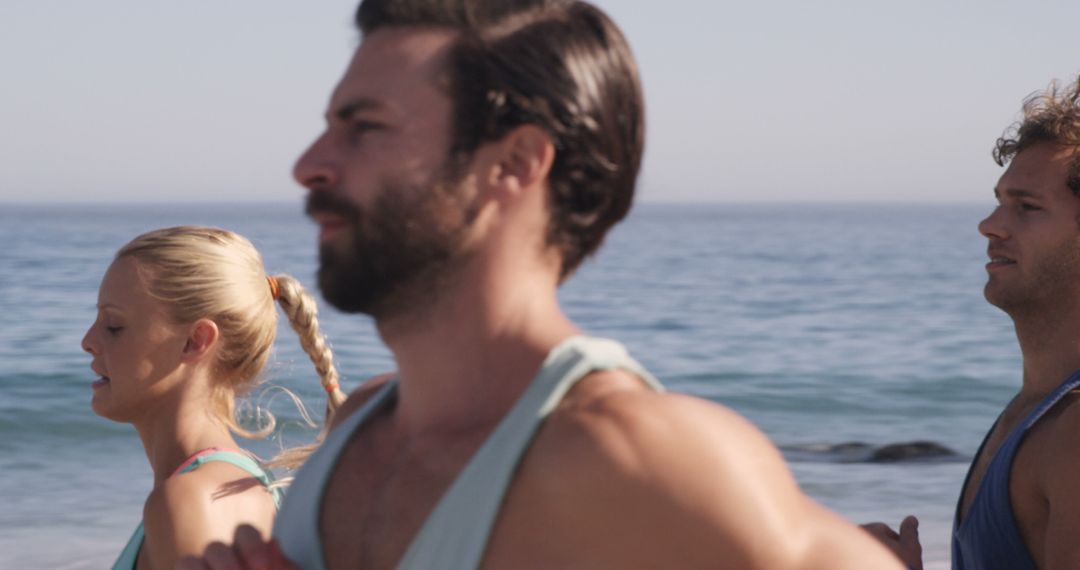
pixel 1012 302
pixel 993 295
pixel 336 281
pixel 339 292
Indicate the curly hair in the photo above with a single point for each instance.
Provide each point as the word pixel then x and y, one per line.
pixel 1051 116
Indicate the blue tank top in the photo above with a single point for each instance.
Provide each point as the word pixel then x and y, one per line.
pixel 455 534
pixel 987 538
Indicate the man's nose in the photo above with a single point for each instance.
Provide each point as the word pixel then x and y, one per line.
pixel 315 168
pixel 993 225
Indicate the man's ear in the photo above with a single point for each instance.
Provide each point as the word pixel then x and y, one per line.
pixel 526 155
pixel 202 336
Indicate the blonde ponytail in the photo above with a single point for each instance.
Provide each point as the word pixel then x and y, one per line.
pixel 301 310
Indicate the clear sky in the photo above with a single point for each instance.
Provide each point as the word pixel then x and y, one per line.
pixel 844 100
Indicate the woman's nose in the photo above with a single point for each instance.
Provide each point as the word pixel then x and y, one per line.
pixel 86 341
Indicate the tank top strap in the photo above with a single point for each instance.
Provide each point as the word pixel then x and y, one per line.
pixel 1052 399
pixel 455 535
pixel 297 526
pixel 238 459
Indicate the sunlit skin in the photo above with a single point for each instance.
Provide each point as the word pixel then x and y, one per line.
pixel 136 351
pixel 155 375
pixel 618 476
pixel 1033 274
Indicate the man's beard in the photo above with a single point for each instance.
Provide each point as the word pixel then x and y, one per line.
pixel 1050 286
pixel 401 250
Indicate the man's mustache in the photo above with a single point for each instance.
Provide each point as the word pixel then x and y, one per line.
pixel 326 202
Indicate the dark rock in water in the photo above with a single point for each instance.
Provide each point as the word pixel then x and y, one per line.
pixel 849 452
pixel 860 452
pixel 850 448
pixel 912 451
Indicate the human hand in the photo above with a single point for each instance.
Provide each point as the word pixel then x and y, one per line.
pixel 905 544
pixel 248 551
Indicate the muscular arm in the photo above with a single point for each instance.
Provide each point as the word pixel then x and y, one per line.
pixel 648 480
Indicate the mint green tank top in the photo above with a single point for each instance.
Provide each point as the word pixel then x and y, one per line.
pixel 455 534
pixel 130 555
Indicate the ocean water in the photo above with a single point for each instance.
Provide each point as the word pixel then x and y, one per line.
pixel 822 324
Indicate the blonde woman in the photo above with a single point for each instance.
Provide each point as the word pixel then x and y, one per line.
pixel 185 324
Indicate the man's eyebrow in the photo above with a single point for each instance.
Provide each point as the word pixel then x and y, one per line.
pixel 345 111
pixel 1017 193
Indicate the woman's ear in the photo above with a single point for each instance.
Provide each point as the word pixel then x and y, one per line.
pixel 526 155
pixel 202 336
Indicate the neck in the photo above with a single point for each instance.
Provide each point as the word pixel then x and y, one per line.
pixel 1050 344
pixel 173 431
pixel 464 363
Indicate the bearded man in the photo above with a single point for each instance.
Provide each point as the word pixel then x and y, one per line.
pixel 476 152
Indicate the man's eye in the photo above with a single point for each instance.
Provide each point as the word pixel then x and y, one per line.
pixel 361 127
pixel 114 330
pixel 1029 207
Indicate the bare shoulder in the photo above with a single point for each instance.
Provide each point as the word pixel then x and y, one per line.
pixel 1067 411
pixel 612 417
pixel 1058 455
pixel 187 512
pixel 689 478
pixel 358 397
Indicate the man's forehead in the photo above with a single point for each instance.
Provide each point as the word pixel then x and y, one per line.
pixel 393 63
pixel 1036 170
pixel 1043 154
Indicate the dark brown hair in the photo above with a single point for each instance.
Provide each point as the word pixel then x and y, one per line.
pixel 561 65
pixel 1051 116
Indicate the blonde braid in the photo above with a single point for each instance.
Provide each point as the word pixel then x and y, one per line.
pixel 301 310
